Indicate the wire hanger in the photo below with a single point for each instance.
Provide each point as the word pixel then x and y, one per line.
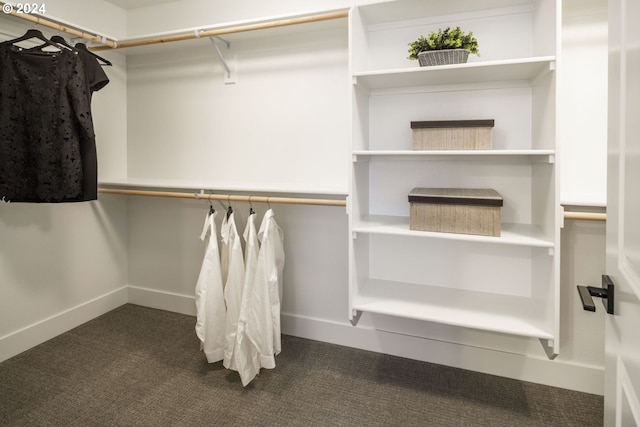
pixel 251 211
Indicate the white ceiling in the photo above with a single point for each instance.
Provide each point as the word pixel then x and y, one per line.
pixel 135 4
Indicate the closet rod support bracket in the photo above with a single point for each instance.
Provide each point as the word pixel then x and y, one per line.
pixel 355 317
pixel 230 76
pixel 549 348
pixel 226 42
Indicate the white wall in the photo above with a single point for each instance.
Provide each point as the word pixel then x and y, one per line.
pixel 63 264
pixel 282 126
pixel 152 246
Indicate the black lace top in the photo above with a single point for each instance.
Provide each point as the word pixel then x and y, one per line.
pixel 45 124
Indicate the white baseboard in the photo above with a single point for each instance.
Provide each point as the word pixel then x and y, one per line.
pixel 556 373
pixel 39 332
pixel 162 300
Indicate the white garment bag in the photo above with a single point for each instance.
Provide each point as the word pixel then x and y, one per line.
pixel 210 306
pixel 235 272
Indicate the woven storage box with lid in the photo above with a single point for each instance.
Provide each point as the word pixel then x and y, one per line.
pixel 453 135
pixel 455 210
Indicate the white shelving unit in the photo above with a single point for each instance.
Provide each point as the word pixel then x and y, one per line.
pixel 507 284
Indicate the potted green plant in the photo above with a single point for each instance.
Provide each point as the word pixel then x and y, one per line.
pixel 448 46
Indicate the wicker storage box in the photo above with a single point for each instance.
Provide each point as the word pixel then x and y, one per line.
pixel 455 210
pixel 443 57
pixel 453 135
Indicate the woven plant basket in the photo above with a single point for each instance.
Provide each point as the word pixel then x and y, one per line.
pixel 443 57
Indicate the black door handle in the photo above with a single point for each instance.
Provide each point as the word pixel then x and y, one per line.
pixel 605 292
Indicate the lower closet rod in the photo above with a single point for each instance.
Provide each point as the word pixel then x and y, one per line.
pixel 589 216
pixel 225 197
pixel 586 216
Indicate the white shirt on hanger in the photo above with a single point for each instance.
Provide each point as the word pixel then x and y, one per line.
pixel 245 356
pixel 210 306
pixel 234 284
pixel 263 317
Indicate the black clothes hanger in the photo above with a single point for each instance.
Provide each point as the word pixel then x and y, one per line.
pixel 211 209
pixel 82 47
pixel 58 41
pixel 229 209
pixel 35 34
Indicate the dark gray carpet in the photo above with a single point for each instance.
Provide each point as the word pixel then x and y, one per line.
pixel 140 366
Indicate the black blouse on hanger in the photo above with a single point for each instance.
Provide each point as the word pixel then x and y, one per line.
pixel 47 142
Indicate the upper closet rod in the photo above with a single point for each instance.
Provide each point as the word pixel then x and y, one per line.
pixel 226 197
pixel 9 9
pixel 228 30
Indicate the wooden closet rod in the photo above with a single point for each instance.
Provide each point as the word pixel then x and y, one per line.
pixel 74 31
pixel 227 30
pixel 225 197
pixel 586 216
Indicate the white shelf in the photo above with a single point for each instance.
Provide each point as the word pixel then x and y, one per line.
pixel 469 309
pixel 511 234
pixel 543 155
pixel 527 69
